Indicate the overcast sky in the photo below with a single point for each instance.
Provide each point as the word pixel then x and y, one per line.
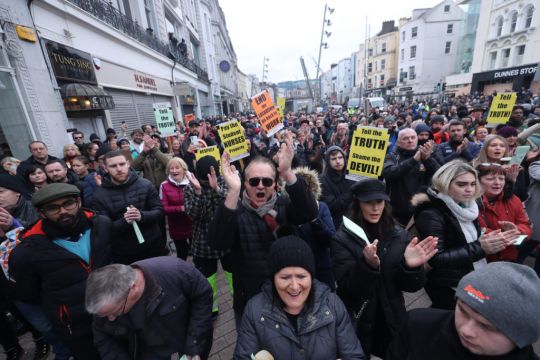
pixel 284 30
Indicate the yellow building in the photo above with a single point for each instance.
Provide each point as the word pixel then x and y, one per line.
pixel 382 58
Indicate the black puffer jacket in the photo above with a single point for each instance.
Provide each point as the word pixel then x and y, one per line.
pixel 112 200
pixel 51 275
pixel 374 297
pixel 405 177
pixel 455 257
pixel 249 237
pixel 325 332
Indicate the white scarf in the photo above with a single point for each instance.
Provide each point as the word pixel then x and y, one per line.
pixel 465 216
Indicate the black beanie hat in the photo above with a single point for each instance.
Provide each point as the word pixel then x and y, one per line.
pixel 203 167
pixel 290 251
pixel 11 182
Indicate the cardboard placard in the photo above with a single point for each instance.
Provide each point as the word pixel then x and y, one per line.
pixel 267 113
pixel 233 139
pixel 208 151
pixel 164 118
pixel 501 108
pixel 188 118
pixel 368 150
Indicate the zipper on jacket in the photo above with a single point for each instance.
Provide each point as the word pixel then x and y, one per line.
pixel 64 311
pixel 357 314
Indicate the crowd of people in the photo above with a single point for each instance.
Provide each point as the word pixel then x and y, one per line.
pixel 113 250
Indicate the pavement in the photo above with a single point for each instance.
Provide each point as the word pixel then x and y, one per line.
pixel 225 330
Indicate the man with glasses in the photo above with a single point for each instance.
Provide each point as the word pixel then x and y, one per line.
pixel 250 223
pixel 78 140
pixel 54 258
pixel 150 310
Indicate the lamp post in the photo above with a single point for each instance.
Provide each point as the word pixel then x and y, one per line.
pixel 326 22
pixel 265 69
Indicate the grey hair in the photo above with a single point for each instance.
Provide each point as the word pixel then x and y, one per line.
pixel 108 284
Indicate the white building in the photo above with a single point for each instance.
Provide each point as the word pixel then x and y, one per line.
pixel 359 70
pixel 427 51
pixel 507 42
pixel 344 79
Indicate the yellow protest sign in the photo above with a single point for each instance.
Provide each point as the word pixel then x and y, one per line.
pixel 501 108
pixel 281 105
pixel 208 151
pixel 267 113
pixel 232 137
pixel 368 149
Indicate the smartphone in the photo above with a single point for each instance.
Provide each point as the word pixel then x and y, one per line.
pixel 194 140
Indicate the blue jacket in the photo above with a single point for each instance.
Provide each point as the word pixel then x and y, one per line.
pixel 447 151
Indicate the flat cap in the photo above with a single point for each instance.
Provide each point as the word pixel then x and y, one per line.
pixel 53 192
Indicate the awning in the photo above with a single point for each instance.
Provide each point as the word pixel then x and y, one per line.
pixel 81 97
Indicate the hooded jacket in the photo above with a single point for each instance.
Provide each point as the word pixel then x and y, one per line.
pixel 111 200
pixel 172 198
pixel 336 189
pixel 324 331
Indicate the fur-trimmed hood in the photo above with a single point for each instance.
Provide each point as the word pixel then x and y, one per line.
pixel 419 199
pixel 312 179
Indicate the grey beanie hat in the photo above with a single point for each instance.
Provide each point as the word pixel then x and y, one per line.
pixel 507 295
pixel 331 149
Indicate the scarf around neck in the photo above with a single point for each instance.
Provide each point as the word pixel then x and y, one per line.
pixel 265 211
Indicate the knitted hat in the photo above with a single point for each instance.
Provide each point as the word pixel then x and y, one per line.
pixel 203 167
pixel 507 131
pixel 290 251
pixel 53 192
pixel 507 295
pixel 330 150
pixel 534 141
pixel 420 128
pixel 11 182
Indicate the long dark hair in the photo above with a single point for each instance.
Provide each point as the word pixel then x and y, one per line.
pixel 375 231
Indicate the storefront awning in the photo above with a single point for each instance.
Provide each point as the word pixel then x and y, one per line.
pixel 81 97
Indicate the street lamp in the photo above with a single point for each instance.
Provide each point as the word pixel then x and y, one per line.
pixel 326 22
pixel 265 69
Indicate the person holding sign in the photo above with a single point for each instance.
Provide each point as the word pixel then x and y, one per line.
pixel 248 226
pixel 194 139
pixel 449 211
pixel 500 209
pixel 374 262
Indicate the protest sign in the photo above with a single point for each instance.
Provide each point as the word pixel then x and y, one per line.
pixel 188 118
pixel 164 118
pixel 501 108
pixel 281 106
pixel 267 113
pixel 232 137
pixel 368 150
pixel 208 151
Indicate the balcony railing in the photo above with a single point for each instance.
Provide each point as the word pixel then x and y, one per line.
pixel 107 13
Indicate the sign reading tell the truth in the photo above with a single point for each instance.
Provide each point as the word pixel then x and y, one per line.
pixel 368 149
pixel 232 137
pixel 164 118
pixel 267 113
pixel 501 108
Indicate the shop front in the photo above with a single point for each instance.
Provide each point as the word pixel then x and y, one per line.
pixel 84 102
pixel 134 93
pixel 504 80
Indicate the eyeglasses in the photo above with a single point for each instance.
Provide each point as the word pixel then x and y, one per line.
pixel 55 208
pixel 267 182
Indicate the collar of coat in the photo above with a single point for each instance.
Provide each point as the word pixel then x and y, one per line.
pixel 37 227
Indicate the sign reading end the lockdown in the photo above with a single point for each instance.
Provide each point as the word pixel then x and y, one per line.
pixel 501 108
pixel 164 118
pixel 267 113
pixel 232 137
pixel 368 149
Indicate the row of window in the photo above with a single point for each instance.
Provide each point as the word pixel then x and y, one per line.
pixel 414 31
pixel 514 24
pixel 505 54
pixel 403 75
pixel 383 65
pixel 383 49
pixel 412 51
pixel 374 81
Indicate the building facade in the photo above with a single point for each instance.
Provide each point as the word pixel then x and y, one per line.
pixel 381 60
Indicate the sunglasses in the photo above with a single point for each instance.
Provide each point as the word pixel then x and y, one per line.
pixel 267 182
pixel 77 137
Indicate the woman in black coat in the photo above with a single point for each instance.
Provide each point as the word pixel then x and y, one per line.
pixel 373 266
pixel 449 212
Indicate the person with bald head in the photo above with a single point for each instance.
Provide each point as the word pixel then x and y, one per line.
pixel 407 169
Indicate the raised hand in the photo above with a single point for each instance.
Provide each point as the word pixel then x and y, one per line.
pixel 230 174
pixel 285 157
pixel 370 255
pixel 195 184
pixel 419 253
pixel 212 179
pixel 512 172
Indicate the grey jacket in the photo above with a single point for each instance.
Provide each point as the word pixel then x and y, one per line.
pixel 325 332
pixel 532 204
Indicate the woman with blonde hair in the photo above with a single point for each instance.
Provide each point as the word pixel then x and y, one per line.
pixel 71 151
pixel 171 193
pixel 449 211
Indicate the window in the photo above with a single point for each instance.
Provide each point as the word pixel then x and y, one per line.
pixel 383 64
pixel 376 66
pixel 513 22
pixel 369 67
pixel 403 35
pixel 446 8
pixel 413 52
pixel 402 75
pixel 499 26
pixel 520 51
pixel 447 47
pixel 370 52
pixel 450 28
pixel 375 80
pixel 383 47
pixel 149 14
pixel 382 80
pixel 412 74
pixel 528 20
pixel 414 31
pixel 402 54
pixel 492 60
pixel 195 50
pixel 505 57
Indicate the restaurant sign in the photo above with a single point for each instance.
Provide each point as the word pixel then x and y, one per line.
pixel 70 64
